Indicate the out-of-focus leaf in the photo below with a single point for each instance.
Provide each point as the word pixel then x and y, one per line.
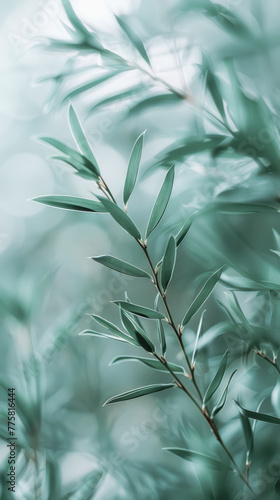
pixel 196 457
pixel 145 312
pixel 152 363
pixel 199 331
pixel 216 380
pixel 136 331
pixel 262 417
pixel 168 263
pixel 222 400
pixel 121 266
pixel 213 86
pixel 75 21
pixel 136 393
pixel 203 295
pixel 81 140
pixel 161 201
pixel 112 328
pixel 120 96
pixel 135 39
pixel 89 85
pixel 121 217
pixel 133 167
pixel 71 203
pixel 240 208
pixel 87 486
pixel 156 100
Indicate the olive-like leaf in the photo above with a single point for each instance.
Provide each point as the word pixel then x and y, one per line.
pixel 184 230
pixel 93 333
pixel 80 138
pixel 89 85
pixel 199 331
pixel 203 295
pixel 112 328
pixel 134 38
pixel 71 203
pixel 120 217
pixel 152 363
pixel 136 331
pixel 262 417
pixel 196 457
pixel 121 266
pixel 222 400
pixel 215 383
pixel 133 167
pixel 168 262
pixel 136 393
pixel 153 101
pixel 248 433
pixel 160 329
pixel 161 201
pixel 145 312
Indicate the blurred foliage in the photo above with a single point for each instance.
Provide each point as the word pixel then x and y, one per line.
pixel 202 77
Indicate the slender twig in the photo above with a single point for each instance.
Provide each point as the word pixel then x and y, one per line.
pixel 269 360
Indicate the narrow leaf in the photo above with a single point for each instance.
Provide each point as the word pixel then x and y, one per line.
pixel 199 331
pixel 222 401
pixel 145 312
pixel 89 85
pixel 152 363
pixel 248 433
pixel 121 217
pixel 203 295
pixel 168 263
pixel 81 140
pixel 133 167
pixel 216 380
pixel 135 331
pixel 184 230
pixel 112 328
pixel 136 393
pixel 71 203
pixel 93 333
pixel 196 457
pixel 262 417
pixel 135 39
pixel 121 266
pixel 161 201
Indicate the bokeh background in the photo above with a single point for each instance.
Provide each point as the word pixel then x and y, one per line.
pixel 65 436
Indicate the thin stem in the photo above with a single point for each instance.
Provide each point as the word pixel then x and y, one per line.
pixel 268 359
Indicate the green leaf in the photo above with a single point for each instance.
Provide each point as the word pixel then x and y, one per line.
pixel 145 312
pixel 136 393
pixel 135 39
pixel 120 96
pixel 216 380
pixel 89 85
pixel 160 329
pixel 81 139
pixel 203 295
pixel 184 230
pixel 71 203
pixel 161 201
pixel 213 86
pixel 262 417
pixel 248 433
pixel 136 331
pixel 112 328
pixel 156 100
pixel 133 167
pixel 168 263
pixel 87 487
pixel 81 170
pixel 222 401
pixel 93 333
pixel 75 159
pixel 199 331
pixel 240 208
pixel 75 21
pixel 120 217
pixel 121 266
pixel 196 457
pixel 152 363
